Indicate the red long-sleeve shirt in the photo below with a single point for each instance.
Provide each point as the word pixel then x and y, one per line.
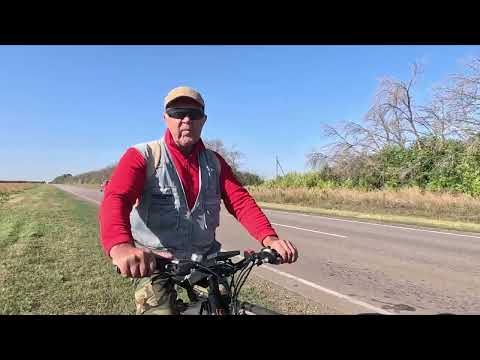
pixel 126 186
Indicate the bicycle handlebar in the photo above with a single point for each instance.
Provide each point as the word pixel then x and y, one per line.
pixel 182 267
pixel 215 269
pixel 179 267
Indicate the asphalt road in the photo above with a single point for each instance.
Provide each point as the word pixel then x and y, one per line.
pixel 363 267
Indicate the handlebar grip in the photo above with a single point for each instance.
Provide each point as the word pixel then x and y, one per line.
pixel 271 256
pixel 163 264
pixel 160 264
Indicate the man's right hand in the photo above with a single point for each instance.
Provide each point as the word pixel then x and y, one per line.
pixel 135 262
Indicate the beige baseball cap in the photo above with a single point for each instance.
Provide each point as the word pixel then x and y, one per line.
pixel 184 91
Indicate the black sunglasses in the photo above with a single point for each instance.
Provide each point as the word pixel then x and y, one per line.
pixel 180 113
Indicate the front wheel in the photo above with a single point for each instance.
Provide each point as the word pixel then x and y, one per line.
pixel 247 308
pixel 190 308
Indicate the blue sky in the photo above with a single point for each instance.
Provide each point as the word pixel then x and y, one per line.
pixel 71 109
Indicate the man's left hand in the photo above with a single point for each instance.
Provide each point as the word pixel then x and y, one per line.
pixel 286 249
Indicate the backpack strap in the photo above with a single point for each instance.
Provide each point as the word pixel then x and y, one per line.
pixel 154 154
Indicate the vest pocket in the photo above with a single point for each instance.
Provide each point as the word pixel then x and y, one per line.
pixel 162 213
pixel 212 215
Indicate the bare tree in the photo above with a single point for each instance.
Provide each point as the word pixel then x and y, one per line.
pixel 396 120
pixel 384 129
pixel 439 117
pixel 392 120
pixel 316 159
pixel 232 157
pixel 395 100
pixel 462 93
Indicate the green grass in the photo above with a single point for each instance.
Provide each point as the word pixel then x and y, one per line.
pixel 51 259
pixel 5 195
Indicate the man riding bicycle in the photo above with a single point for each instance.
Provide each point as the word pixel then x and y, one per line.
pixel 177 185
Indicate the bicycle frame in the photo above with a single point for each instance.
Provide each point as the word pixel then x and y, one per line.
pixel 216 302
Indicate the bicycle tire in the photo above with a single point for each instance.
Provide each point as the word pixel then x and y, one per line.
pixel 254 309
pixel 195 307
pixel 248 308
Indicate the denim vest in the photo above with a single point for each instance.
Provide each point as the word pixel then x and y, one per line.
pixel 163 220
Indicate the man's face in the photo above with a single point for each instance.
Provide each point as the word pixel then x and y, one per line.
pixel 185 132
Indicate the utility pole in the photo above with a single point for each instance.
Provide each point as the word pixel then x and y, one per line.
pixel 277 165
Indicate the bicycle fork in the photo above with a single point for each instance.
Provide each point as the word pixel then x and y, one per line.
pixel 217 301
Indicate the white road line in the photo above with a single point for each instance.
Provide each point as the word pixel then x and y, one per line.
pixel 375 224
pixel 328 291
pixel 314 231
pixel 321 288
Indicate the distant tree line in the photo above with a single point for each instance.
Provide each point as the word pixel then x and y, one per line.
pixel 90 177
pixel 232 157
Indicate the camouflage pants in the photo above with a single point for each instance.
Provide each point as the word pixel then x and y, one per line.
pixel 155 295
